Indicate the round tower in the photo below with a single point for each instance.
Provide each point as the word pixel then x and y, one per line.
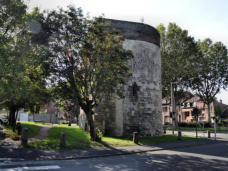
pixel 140 109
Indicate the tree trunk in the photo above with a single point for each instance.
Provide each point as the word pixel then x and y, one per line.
pixel 12 119
pixel 77 120
pixel 209 112
pixel 16 115
pixel 91 126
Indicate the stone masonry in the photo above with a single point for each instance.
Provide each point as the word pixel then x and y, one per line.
pixel 140 109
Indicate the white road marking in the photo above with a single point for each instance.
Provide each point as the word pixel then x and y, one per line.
pixel 32 168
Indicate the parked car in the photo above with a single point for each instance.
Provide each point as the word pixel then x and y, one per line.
pixel 3 120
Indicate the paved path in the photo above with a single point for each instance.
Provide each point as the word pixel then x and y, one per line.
pixel 42 134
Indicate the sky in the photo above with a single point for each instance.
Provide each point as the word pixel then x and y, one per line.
pixel 202 18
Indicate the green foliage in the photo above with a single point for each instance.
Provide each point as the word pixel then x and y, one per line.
pixel 177 52
pixel 22 63
pixel 89 63
pixel 99 134
pixel 211 71
pixel 193 125
pixel 218 110
pixel 8 131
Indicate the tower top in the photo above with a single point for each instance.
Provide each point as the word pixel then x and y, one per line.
pixel 136 31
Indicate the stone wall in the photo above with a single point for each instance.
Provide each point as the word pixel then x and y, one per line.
pixel 142 102
pixel 140 109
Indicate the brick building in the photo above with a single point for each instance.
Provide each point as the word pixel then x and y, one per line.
pixel 184 110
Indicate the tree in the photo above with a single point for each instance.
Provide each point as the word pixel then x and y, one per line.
pixel 218 112
pixel 72 110
pixel 89 62
pixel 21 67
pixel 178 50
pixel 211 71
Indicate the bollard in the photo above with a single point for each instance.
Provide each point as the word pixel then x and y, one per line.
pixel 24 138
pixel 135 137
pixel 19 128
pixel 62 141
pixel 179 135
pixel 164 130
pixel 209 134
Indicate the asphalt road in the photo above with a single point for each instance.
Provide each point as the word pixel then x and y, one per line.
pixel 208 157
pixel 219 136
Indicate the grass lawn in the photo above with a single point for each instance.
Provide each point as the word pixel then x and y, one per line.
pixel 9 132
pixel 163 139
pixel 77 138
pixel 4 114
pixel 33 128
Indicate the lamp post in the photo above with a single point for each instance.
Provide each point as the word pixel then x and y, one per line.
pixel 174 118
pixel 215 125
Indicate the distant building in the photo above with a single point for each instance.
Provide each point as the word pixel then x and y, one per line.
pixel 184 111
pixel 224 109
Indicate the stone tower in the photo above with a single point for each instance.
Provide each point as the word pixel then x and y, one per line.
pixel 140 109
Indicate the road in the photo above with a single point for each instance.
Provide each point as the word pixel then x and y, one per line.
pixel 207 157
pixel 219 136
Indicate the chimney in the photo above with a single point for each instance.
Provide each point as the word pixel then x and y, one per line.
pixel 220 100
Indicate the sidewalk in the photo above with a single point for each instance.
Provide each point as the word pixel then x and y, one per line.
pixel 8 152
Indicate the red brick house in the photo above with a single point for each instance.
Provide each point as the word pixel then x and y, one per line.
pixel 184 111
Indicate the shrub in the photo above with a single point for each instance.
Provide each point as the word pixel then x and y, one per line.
pixel 193 124
pixel 99 134
pixel 187 124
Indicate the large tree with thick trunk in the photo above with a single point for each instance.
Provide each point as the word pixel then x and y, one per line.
pixel 89 62
pixel 22 69
pixel 178 50
pixel 211 71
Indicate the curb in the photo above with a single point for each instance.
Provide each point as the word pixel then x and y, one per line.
pixel 119 153
pixel 136 152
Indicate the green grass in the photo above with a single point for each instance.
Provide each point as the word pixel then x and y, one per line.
pixel 163 139
pixel 117 141
pixel 33 128
pixel 4 114
pixel 77 138
pixel 36 123
pixel 9 132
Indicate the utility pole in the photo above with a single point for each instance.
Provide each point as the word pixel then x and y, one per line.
pixel 174 119
pixel 215 125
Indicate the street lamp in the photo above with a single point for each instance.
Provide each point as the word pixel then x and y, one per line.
pixel 174 118
pixel 215 120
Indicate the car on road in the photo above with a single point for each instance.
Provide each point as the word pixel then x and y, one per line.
pixel 3 120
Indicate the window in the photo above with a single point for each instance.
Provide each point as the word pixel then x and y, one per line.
pixel 165 109
pixel 186 114
pixel 166 119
